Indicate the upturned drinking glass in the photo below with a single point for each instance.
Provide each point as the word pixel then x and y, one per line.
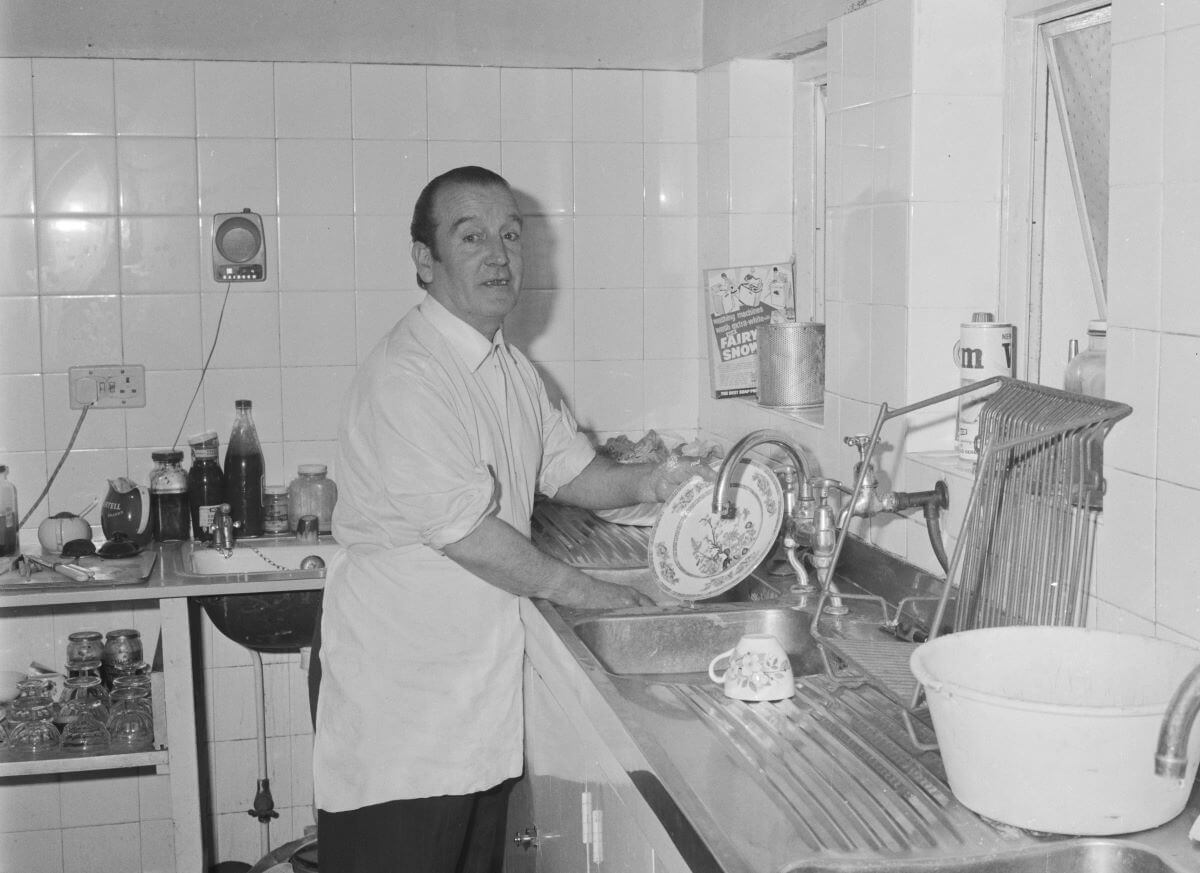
pixel 83 733
pixel 84 694
pixel 130 723
pixel 33 733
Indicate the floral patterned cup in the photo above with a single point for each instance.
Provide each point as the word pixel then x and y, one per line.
pixel 758 670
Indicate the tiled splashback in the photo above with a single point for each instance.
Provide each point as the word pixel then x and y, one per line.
pixel 114 169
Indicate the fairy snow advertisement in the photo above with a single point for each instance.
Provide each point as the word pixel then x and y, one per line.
pixel 740 299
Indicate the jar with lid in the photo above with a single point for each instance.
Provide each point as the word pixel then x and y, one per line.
pixel 275 509
pixel 169 497
pixel 206 489
pixel 312 493
pixel 1085 371
pixel 85 645
pixel 122 649
pixel 244 470
pixel 10 541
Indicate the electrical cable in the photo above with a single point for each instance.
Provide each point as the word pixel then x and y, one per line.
pixel 204 369
pixel 70 444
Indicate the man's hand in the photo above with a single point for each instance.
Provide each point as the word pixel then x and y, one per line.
pixel 609 595
pixel 668 475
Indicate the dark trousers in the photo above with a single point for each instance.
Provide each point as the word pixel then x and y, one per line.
pixel 451 834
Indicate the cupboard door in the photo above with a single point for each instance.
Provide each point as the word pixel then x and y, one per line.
pixel 556 770
pixel 617 842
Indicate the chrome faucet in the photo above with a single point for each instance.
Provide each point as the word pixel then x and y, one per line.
pixel 868 502
pixel 799 502
pixel 1170 759
pixel 223 530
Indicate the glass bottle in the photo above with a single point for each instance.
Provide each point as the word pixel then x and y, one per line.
pixel 10 541
pixel 206 487
pixel 169 497
pixel 1085 371
pixel 244 469
pixel 312 493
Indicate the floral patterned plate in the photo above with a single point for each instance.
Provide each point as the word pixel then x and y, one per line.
pixel 694 553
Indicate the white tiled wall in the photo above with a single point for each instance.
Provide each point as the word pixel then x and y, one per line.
pixel 112 172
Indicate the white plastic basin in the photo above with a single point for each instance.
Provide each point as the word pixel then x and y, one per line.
pixel 1055 729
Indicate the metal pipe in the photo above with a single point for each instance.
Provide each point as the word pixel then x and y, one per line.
pixel 1170 759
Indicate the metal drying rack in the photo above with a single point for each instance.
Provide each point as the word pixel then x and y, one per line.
pixel 1024 553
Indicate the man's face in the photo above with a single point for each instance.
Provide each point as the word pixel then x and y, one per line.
pixel 477 274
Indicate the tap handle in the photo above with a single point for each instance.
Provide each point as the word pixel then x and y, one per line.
pixel 860 441
pixel 823 487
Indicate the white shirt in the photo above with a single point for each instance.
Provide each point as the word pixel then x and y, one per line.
pixel 421 659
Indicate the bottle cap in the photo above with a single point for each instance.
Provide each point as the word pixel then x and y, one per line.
pixel 1098 326
pixel 982 317
pixel 275 489
pixel 207 436
pixel 312 469
pixel 167 456
pixel 242 404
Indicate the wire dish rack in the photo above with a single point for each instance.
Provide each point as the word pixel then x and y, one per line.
pixel 1024 553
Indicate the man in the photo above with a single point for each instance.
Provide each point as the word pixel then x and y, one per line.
pixel 448 433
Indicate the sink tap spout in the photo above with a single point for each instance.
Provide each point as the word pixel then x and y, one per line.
pixel 1170 759
pixel 723 502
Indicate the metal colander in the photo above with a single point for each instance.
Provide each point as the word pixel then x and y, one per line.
pixel 791 364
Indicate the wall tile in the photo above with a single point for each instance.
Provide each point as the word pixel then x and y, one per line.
pixel 80 330
pixel 607 105
pixel 894 48
pixel 1181 13
pixel 760 98
pixel 608 395
pixel 1137 99
pixel 669 107
pixel 99 799
pixel 548 249
pixel 543 325
pixel 316 328
pixel 161 254
pixel 670 395
pixel 237 174
pixel 316 177
pixel 315 252
pixel 73 96
pixel 16 163
pixel 760 239
pixel 18 251
pixel 1136 253
pixel 162 331
pixel 312 401
pixel 889 355
pixel 101 429
pixel 670 179
pixel 388 175
pixel 156 98
pixel 76 174
pixel 447 154
pixel 956 151
pixel 21 351
pixel 608 252
pixel 1180 258
pixel 608 325
pixel 249 329
pixel 16 96
pixel 1181 115
pixel 955 255
pixel 464 103
pixel 31 804
pixel 388 101
pixel 608 178
pixel 1177 599
pixel 78 255
pixel 1132 377
pixel 760 171
pixel 893 160
pixel 1134 20
pixel 669 321
pixel 1178 410
pixel 671 251
pixel 857 83
pixel 158 847
pixel 854 350
pixel 161 421
pixel 235 99
pixel 85 475
pixel 312 100
pixel 157 176
pixel 33 851
pixel 382 258
pixel 541 175
pixel 1125 551
pixel 959 46
pixel 535 105
pixel 890 254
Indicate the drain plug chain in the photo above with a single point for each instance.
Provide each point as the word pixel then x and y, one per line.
pixel 269 561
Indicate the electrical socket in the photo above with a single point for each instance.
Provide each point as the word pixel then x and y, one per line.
pixel 107 386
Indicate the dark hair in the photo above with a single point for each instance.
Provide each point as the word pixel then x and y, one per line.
pixel 424 228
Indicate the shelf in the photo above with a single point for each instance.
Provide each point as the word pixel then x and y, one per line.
pixel 11 766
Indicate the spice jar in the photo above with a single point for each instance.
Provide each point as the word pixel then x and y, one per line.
pixel 85 646
pixel 169 497
pixel 275 509
pixel 312 493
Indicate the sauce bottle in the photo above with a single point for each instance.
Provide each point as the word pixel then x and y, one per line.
pixel 244 471
pixel 206 487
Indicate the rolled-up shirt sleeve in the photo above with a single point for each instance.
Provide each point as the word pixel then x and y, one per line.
pixel 430 473
pixel 566 451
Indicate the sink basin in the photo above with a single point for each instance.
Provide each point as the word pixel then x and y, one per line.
pixel 1085 856
pixel 277 621
pixel 673 643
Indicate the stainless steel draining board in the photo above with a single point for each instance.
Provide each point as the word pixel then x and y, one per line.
pixel 577 537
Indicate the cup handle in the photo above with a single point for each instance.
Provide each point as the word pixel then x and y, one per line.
pixel 712 667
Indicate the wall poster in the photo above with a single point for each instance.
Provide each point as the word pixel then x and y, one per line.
pixel 739 300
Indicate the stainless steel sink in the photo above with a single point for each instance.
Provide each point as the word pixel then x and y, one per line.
pixel 1076 856
pixel 670 644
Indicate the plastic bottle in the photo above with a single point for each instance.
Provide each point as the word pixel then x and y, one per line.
pixel 10 540
pixel 244 470
pixel 1085 371
pixel 206 486
pixel 169 497
pixel 311 493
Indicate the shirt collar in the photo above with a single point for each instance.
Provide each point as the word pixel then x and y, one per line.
pixel 472 346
